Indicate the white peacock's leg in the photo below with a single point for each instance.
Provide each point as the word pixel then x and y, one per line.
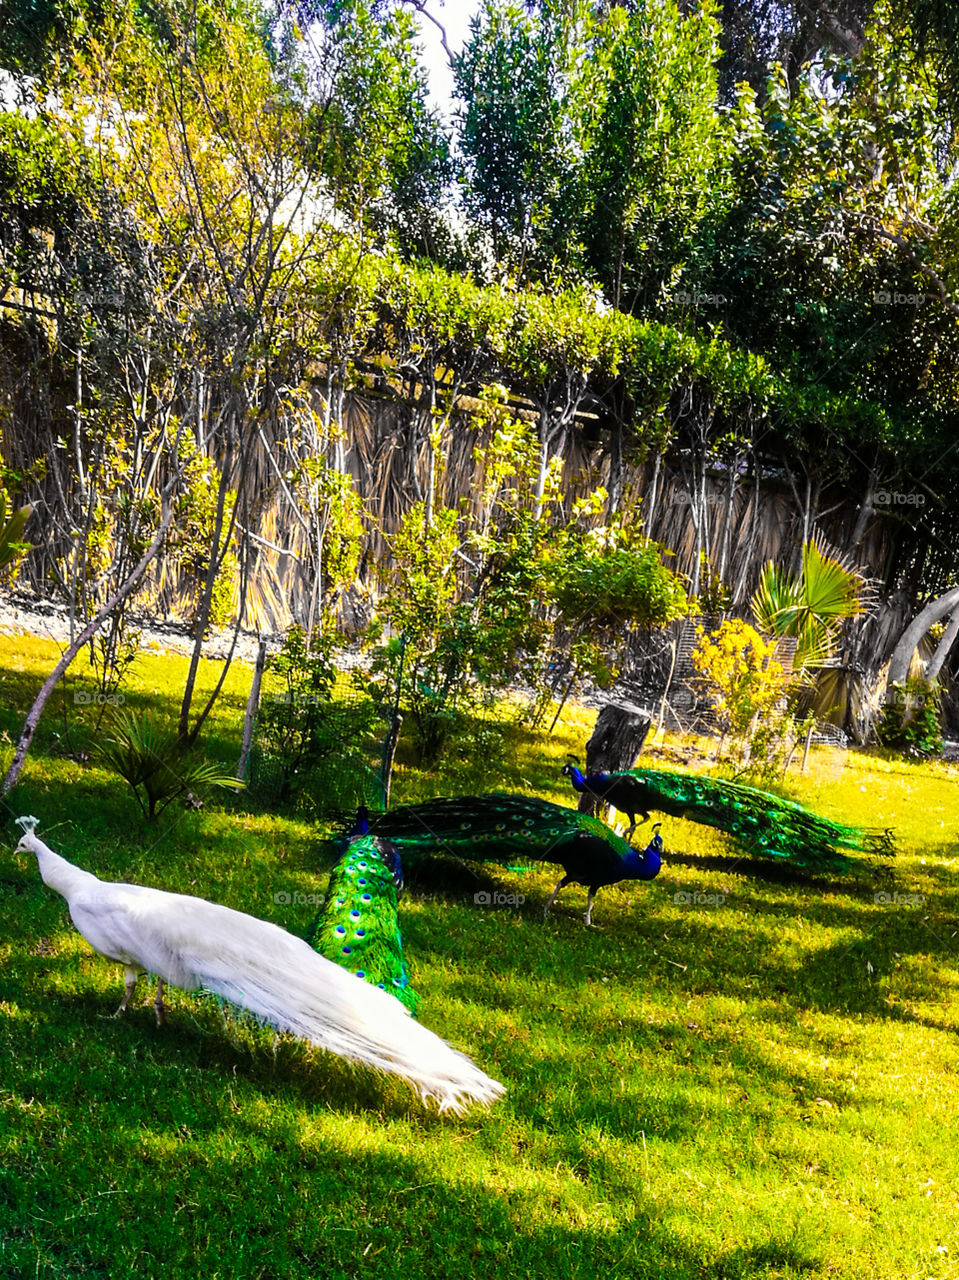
pixel 589 906
pixel 159 1008
pixel 132 975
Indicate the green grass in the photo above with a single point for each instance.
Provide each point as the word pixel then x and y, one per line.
pixel 765 1086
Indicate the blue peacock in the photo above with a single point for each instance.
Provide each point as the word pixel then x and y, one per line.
pixel 357 926
pixel 499 826
pixel 762 824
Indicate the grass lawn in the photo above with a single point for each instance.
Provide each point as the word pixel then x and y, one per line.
pixel 759 1082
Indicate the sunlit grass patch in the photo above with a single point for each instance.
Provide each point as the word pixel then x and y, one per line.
pixel 756 1079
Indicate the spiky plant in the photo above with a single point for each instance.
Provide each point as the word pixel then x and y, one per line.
pixel 811 606
pixel 152 760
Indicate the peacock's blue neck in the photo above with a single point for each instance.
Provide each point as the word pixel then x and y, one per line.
pixel 576 777
pixel 643 865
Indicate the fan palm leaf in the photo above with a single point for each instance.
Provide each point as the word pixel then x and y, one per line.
pixel 150 757
pixel 809 607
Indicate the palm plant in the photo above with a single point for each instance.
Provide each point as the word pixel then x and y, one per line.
pixel 153 761
pixel 811 606
pixel 11 532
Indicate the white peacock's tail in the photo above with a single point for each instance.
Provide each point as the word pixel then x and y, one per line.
pixel 288 985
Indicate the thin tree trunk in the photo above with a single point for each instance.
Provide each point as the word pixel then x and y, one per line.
pixel 866 511
pixel 649 511
pixel 252 704
pixel 53 679
pixel 943 648
pixel 389 751
pixel 752 518
pixel 206 600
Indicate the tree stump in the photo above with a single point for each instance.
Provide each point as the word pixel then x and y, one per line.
pixel 618 737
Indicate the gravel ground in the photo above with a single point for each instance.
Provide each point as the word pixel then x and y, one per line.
pixel 25 614
pixel 22 613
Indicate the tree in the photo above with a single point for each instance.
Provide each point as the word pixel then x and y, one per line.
pixel 656 147
pixel 523 81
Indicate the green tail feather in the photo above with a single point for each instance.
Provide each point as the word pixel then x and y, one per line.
pixel 357 926
pixel 494 826
pixel 765 825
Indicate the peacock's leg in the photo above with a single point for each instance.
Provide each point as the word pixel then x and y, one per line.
pixel 159 1008
pixel 132 975
pixel 589 906
pixel 552 897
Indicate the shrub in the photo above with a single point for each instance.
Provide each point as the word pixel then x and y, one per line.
pixel 911 722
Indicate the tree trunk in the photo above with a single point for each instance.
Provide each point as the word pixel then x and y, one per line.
pixel 934 666
pixel 906 645
pixel 53 679
pixel 389 751
pixel 253 703
pixel 217 553
pixel 617 740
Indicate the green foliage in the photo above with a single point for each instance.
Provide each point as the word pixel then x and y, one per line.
pixel 12 546
pixel 615 583
pixel 151 759
pixel 657 143
pixel 378 142
pixel 312 748
pixel 911 720
pixel 602 583
pixel 522 81
pixel 809 607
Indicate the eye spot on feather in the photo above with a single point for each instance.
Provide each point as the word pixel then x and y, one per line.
pixel 354 915
pixel 340 931
pixel 366 898
pixel 361 933
pixel 361 973
pixel 347 951
pixel 361 881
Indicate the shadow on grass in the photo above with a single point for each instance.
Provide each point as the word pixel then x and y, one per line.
pixel 177 1153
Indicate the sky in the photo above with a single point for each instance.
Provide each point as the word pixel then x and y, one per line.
pixel 455 16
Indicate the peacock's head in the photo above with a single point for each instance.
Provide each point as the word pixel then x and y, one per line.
pixel 571 766
pixel 27 825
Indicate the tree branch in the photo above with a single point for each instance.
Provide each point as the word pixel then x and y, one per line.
pixel 53 679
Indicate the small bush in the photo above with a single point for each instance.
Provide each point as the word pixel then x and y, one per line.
pixel 912 721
